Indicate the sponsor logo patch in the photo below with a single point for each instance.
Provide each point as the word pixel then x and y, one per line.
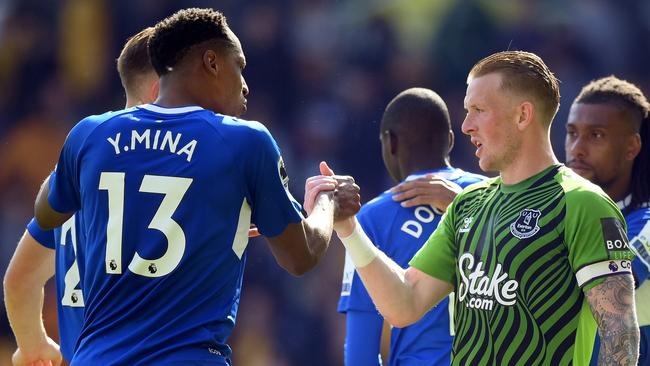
pixel 526 224
pixel 466 224
pixel 615 239
pixel 613 266
pixel 482 290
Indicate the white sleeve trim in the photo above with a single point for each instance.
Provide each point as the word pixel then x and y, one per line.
pixel 602 269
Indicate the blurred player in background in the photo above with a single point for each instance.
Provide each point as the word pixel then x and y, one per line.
pixel 42 253
pixel 526 251
pixel 166 194
pixel 416 139
pixel 608 142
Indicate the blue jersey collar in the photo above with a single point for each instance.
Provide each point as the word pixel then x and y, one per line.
pixel 174 110
pixel 448 173
pixel 622 204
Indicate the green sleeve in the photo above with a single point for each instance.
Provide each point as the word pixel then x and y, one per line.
pixel 437 256
pixel 595 235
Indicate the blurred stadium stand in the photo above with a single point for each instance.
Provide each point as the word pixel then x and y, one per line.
pixel 320 73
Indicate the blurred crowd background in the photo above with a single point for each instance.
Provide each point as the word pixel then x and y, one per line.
pixel 320 74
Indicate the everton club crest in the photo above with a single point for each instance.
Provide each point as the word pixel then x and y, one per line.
pixel 526 224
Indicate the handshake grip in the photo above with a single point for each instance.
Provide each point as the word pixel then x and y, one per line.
pixel 340 188
pixel 347 200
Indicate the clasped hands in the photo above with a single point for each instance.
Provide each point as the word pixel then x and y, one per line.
pixel 342 190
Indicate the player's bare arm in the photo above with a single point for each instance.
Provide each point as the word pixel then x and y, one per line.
pixel 299 248
pixel 401 296
pixel 612 303
pixel 30 268
pixel 46 216
pixel 427 190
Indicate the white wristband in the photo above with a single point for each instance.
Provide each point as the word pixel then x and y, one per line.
pixel 361 250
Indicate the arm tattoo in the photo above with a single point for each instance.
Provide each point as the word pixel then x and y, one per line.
pixel 612 304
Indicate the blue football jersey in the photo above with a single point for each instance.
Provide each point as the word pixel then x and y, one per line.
pixel 165 198
pixel 69 297
pixel 399 232
pixel 638 232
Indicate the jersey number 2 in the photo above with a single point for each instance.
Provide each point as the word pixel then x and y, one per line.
pixel 72 296
pixel 174 188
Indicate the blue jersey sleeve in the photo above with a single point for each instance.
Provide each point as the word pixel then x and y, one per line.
pixel 638 229
pixel 43 237
pixel 64 182
pixel 273 206
pixel 363 338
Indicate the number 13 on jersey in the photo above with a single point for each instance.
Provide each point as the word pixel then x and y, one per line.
pixel 174 188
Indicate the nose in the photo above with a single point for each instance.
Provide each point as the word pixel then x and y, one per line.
pixel 244 86
pixel 468 125
pixel 575 147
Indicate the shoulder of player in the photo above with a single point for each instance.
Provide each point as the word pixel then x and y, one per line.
pixel 574 184
pixel 87 125
pixel 236 127
pixel 639 217
pixel 480 185
pixel 465 179
pixel 234 124
pixel 579 189
pixel 580 195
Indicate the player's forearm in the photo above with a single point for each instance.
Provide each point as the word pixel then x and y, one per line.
pixel 390 290
pixel 319 227
pixel 619 347
pixel 619 340
pixel 24 304
pixel 29 269
pixel 612 304
pixel 299 248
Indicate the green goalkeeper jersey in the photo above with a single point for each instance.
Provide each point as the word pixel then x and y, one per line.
pixel 520 257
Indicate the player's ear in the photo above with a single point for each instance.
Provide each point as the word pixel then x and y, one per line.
pixel 525 113
pixel 210 62
pixel 451 141
pixel 633 147
pixel 155 89
pixel 392 141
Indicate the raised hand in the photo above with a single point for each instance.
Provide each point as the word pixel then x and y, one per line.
pixel 347 199
pixel 427 190
pixel 314 186
pixel 346 194
pixel 344 191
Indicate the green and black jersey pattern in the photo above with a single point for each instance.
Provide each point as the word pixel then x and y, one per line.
pixel 519 257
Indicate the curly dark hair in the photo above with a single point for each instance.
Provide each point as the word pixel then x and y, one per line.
pixel 176 34
pixel 630 99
